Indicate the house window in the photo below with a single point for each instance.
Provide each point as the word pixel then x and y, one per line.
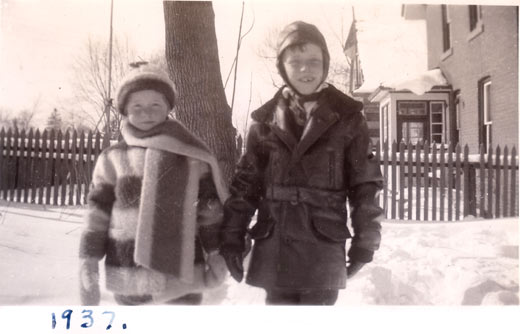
pixel 458 110
pixel 437 121
pixel 485 113
pixel 474 16
pixel 475 22
pixel 411 108
pixel 446 40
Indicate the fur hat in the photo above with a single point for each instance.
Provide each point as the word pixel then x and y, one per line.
pixel 298 33
pixel 143 78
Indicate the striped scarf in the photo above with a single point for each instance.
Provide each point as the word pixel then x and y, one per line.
pixel 302 105
pixel 167 220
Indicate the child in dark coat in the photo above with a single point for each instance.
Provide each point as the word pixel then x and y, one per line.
pixel 155 205
pixel 307 151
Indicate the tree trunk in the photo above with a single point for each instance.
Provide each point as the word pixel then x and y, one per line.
pixel 193 64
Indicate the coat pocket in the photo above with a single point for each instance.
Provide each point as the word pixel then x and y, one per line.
pixel 330 224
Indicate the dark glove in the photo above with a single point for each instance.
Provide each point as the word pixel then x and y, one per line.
pixel 353 267
pixel 234 264
pixel 89 282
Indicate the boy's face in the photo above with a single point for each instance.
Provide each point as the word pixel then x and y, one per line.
pixel 146 109
pixel 304 67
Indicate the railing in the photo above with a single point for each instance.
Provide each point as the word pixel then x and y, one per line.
pixel 47 168
pixel 422 182
pixel 439 182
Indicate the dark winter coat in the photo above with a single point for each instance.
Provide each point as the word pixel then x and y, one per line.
pixel 300 190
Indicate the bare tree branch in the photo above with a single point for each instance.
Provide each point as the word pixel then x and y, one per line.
pixel 91 84
pixel 241 38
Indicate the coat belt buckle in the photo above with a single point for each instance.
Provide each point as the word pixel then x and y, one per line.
pixel 295 197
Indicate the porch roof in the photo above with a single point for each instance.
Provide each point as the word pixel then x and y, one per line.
pixel 417 84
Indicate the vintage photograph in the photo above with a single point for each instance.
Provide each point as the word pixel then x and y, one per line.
pixel 234 153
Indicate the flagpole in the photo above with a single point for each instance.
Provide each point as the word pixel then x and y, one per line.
pixel 108 102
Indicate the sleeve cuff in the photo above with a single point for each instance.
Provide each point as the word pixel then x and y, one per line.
pixel 209 237
pixel 360 254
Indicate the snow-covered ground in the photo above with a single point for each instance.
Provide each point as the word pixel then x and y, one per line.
pixel 420 264
pixel 456 263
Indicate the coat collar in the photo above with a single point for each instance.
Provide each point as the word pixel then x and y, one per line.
pixel 321 119
pixel 332 106
pixel 273 113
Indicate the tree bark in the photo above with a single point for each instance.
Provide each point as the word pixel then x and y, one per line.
pixel 193 65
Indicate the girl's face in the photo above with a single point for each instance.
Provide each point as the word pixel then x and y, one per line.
pixel 146 109
pixel 304 67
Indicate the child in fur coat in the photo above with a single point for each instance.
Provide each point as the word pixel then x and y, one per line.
pixel 155 205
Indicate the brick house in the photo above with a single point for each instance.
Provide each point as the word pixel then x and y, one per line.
pixel 468 90
pixel 476 48
pixel 387 56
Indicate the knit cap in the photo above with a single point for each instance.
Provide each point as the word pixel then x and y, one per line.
pixel 298 33
pixel 145 77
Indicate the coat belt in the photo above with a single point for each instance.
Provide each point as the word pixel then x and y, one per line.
pixel 310 196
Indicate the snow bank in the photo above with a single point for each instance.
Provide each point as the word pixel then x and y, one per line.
pixel 446 264
pixel 419 83
pixel 463 263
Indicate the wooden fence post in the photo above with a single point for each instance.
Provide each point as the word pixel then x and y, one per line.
pixel 20 172
pixel 81 169
pixel 442 187
pixel 14 166
pixel 73 167
pixel 434 181
pixel 394 177
pixel 490 183
pixel 450 182
pixel 58 169
pixel 505 169
pixel 409 180
pixel 482 171
pixel 417 181
pixel 3 170
pixel 89 166
pixel 426 170
pixel 29 167
pixel 385 171
pixel 37 182
pixel 49 163
pixel 497 183
pixel 64 168
pixel 401 180
pixel 470 185
pixel 458 171
pixel 513 203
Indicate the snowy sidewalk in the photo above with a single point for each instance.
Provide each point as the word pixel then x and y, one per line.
pixel 448 264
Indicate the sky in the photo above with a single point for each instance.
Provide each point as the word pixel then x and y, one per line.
pixel 39 41
pixel 440 277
